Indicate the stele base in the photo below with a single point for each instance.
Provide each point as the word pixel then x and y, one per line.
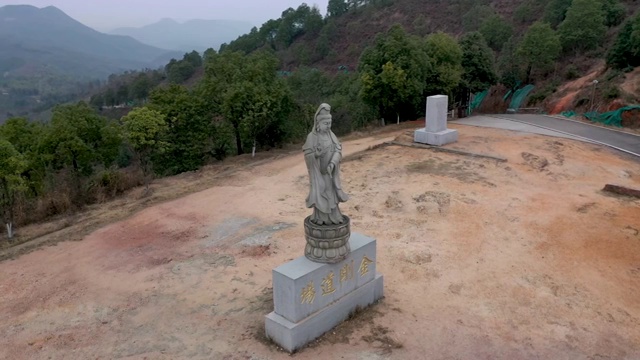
pixel 312 298
pixel 438 139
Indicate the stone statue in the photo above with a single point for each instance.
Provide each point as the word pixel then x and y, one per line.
pixel 322 154
pixel 327 229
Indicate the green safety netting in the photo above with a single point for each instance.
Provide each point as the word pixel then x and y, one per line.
pixel 608 118
pixel 519 95
pixel 477 101
pixel 506 96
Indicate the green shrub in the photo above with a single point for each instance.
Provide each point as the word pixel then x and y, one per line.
pixel 611 92
pixel 571 73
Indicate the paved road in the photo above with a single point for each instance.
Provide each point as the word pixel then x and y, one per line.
pixel 628 143
pixel 498 123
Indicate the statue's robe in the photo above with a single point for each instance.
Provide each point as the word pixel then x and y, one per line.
pixel 325 190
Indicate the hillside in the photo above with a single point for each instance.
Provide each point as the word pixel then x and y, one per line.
pixel 49 36
pixel 356 29
pixel 191 35
pixel 303 39
pixel 47 53
pixel 339 44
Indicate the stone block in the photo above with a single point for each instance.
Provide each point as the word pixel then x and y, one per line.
pixel 292 336
pixel 438 139
pixel 302 287
pixel 436 114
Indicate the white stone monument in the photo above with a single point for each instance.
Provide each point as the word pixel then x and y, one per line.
pixel 435 131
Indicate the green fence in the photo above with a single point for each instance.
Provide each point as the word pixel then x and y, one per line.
pixel 613 118
pixel 477 101
pixel 519 96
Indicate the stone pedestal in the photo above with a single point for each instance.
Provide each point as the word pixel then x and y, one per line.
pixel 327 243
pixel 435 131
pixel 312 298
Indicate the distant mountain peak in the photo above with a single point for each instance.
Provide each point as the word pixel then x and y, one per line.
pixel 194 34
pixel 18 10
pixel 48 36
pixel 53 9
pixel 28 11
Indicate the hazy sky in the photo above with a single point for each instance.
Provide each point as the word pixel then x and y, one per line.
pixel 106 15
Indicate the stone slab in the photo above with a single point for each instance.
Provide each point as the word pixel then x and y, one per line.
pixel 292 336
pixel 302 287
pixel 438 139
pixel 436 114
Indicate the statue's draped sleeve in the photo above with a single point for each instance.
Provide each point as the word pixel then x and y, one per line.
pixel 316 184
pixel 317 197
pixel 336 160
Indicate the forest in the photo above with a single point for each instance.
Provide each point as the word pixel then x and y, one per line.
pixel 260 92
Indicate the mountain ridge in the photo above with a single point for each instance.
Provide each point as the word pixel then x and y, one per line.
pixel 48 30
pixel 189 35
pixel 47 56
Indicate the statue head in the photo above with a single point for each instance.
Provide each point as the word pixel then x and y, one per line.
pixel 322 119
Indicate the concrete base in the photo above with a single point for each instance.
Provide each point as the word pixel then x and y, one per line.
pixel 292 336
pixel 438 139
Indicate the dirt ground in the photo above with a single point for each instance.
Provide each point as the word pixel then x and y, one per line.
pixel 483 259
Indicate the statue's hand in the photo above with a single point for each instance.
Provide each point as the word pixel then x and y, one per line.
pixel 330 169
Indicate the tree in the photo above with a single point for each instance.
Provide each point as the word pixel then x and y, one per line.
pixel 583 28
pixel 336 8
pixel 477 62
pixel 472 20
pixel 12 165
pixel 539 48
pixel 255 107
pixel 509 65
pixel 392 89
pixel 269 32
pixel 122 94
pixel 323 44
pixel 81 139
pixel 221 71
pixel 97 100
pixel 394 55
pixel 110 97
pixel 313 22
pixel 228 81
pixel 294 23
pixel 496 31
pixel 189 128
pixel 140 87
pixel 625 52
pixel 421 25
pixel 446 59
pixel 143 130
pixel 555 12
pixel 309 87
pixel 257 99
pixel 194 58
pixel 26 137
pixel 613 12
pixel 523 13
pixel 245 43
pixel 180 72
pixel 208 53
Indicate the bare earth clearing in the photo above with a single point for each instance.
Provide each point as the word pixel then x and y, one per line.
pixel 524 259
